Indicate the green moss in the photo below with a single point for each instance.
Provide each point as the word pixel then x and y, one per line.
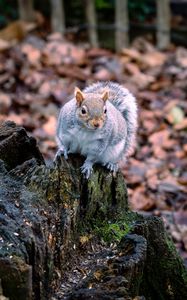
pixel 112 232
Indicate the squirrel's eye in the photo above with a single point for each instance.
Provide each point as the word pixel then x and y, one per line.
pixel 83 111
pixel 105 110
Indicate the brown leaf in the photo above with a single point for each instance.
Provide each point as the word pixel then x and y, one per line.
pixel 140 201
pixel 33 54
pixel 142 80
pixel 45 88
pixel 96 52
pixel 161 84
pixel 159 138
pixel 5 103
pixel 14 31
pixel 159 152
pixel 136 172
pixel 181 218
pixel 144 152
pixel 34 80
pixel 180 154
pixel 149 125
pixel 185 148
pixel 182 125
pixel 72 71
pixel 170 185
pixel 4 77
pixel 103 75
pixel 183 179
pixel 132 53
pixel 78 55
pixel 172 103
pixel 18 119
pixel 60 52
pixel 3 118
pixel 147 114
pixel 169 144
pixel 153 59
pixel 152 182
pixel 147 95
pixel 4 45
pixel 142 45
pixel 50 126
pixel 132 68
pixel 55 36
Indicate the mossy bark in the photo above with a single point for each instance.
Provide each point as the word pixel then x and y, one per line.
pixel 43 212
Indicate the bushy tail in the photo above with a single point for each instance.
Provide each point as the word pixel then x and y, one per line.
pixel 125 102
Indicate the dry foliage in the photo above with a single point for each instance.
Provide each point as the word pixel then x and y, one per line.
pixel 37 76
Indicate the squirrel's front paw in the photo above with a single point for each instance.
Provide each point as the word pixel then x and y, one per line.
pixel 61 152
pixel 87 169
pixel 113 167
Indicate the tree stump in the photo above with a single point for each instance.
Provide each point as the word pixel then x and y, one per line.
pixel 45 213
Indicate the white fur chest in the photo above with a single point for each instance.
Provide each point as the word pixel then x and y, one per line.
pixel 81 141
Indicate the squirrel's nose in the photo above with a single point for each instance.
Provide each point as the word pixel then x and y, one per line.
pixel 96 125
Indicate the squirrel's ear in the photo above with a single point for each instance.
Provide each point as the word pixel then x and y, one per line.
pixel 104 96
pixel 79 96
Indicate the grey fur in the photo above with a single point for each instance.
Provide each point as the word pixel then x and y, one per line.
pixel 108 145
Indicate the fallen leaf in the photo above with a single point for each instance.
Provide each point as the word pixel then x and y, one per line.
pixel 50 126
pixel 170 186
pixel 159 152
pixel 84 239
pixel 185 148
pixel 149 125
pixel 140 201
pixel 160 84
pixel 60 52
pixel 103 75
pixel 5 103
pixel 158 138
pixel 142 45
pixel 152 182
pixel 142 80
pixel 33 54
pixel 96 52
pixel 45 88
pixel 4 45
pixel 72 71
pixel 34 80
pixel 132 68
pixel 18 119
pixel 153 59
pixel 182 125
pixel 132 53
pixel 183 179
pixel 176 115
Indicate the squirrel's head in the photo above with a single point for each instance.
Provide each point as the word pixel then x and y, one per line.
pixel 91 109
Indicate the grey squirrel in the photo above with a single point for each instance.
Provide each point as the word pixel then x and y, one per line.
pixel 100 123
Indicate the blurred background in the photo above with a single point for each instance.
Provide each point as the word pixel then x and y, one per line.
pixel 49 47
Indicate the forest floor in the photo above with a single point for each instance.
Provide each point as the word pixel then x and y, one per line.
pixel 37 76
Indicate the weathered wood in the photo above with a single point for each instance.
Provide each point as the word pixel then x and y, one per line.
pixel 163 23
pixel 16 147
pixel 92 22
pixel 26 10
pixel 122 25
pixel 45 210
pixel 57 16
